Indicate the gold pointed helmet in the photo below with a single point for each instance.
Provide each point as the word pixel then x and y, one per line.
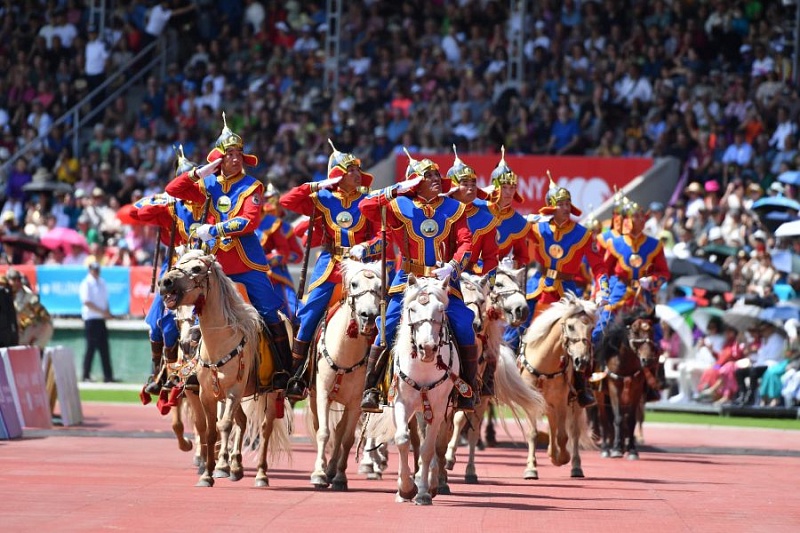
pixel 271 197
pixel 417 168
pixel 557 194
pixel 339 161
pixel 460 170
pixel 182 164
pixel 502 174
pixel 228 140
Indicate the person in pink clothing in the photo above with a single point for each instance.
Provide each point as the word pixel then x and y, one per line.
pixel 718 383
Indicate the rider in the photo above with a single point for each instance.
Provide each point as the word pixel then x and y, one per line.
pixel 281 247
pixel 428 228
pixel 342 232
pixel 483 226
pixel 560 245
pixel 234 202
pixel 638 262
pixel 181 217
pixel 30 310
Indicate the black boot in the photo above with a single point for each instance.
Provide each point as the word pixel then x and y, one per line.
pixel 281 356
pixel 488 377
pixel 584 394
pixel 297 388
pixel 468 355
pixel 155 382
pixel 376 363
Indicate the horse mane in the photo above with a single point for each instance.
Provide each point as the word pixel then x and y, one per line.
pixel 351 267
pixel 433 287
pixel 569 305
pixel 615 335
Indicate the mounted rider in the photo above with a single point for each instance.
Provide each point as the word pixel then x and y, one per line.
pixel 483 225
pixel 342 232
pixel 428 228
pixel 234 207
pixel 560 245
pixel 281 247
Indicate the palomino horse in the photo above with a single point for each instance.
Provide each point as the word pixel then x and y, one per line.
pixel 342 350
pixel 227 354
pixel 510 389
pixel 558 343
pixel 425 367
pixel 626 350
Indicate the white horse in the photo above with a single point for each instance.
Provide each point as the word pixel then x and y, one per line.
pixel 227 365
pixel 425 368
pixel 342 351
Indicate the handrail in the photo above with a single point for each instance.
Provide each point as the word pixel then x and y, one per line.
pixel 74 113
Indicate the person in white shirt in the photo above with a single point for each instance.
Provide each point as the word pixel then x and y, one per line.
pixel 96 54
pixel 94 312
pixel 632 87
pixel 785 127
pixel 771 351
pixel 739 152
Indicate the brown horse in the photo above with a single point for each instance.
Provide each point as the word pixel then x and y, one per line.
pixel 227 369
pixel 624 355
pixel 557 344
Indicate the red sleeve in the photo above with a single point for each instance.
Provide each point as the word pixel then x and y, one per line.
pixel 295 250
pixel 185 188
pixel 371 208
pixel 155 215
pixel 277 243
pixel 599 267
pixel 489 251
pixel 463 251
pixel 299 200
pixel 659 267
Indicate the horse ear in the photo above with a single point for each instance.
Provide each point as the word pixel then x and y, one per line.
pixel 445 283
pixel 412 280
pixel 484 281
pixel 519 276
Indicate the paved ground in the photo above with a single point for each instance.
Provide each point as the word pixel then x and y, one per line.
pixel 122 471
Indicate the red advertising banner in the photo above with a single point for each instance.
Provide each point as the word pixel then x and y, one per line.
pixel 590 180
pixel 25 376
pixel 29 271
pixel 141 297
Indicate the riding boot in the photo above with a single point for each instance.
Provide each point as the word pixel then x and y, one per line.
pixel 651 387
pixel 155 381
pixel 585 396
pixel 488 377
pixel 171 356
pixel 468 355
pixel 297 388
pixel 376 364
pixel 280 359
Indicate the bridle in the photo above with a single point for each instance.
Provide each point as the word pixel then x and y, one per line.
pixel 444 336
pixel 351 302
pixel 637 343
pixel 199 279
pixel 568 343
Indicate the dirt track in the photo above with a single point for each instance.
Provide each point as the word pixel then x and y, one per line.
pixel 122 470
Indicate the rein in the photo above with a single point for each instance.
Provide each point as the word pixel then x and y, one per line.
pixel 222 362
pixel 340 371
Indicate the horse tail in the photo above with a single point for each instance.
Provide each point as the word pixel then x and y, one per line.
pixel 257 410
pixel 513 392
pixel 577 419
pixel 280 443
pixel 379 426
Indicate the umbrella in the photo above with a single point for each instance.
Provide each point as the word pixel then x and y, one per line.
pixel 775 203
pixel 682 305
pixel 703 315
pixel 23 242
pixel 786 261
pixel 47 186
pixel 63 238
pixel 692 266
pixel 703 281
pixel 788 229
pixel 790 177
pixel 742 317
pixel 127 215
pixel 775 219
pixel 720 249
pixel 676 321
pixel 780 313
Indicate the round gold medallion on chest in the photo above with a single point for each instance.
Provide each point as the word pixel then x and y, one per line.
pixel 223 204
pixel 429 227
pixel 556 251
pixel 344 220
pixel 636 260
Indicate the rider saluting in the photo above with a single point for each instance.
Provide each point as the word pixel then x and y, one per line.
pixel 428 228
pixel 235 204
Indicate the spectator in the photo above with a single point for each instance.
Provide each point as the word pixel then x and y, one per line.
pixel 95 312
pixel 769 353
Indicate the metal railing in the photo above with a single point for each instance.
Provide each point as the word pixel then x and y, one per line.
pixel 75 118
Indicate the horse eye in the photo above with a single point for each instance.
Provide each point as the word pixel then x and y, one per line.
pixel 354 284
pixel 195 270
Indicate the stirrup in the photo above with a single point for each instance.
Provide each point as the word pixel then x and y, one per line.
pixel 296 390
pixel 585 399
pixel 153 386
pixel 280 380
pixel 371 401
pixel 466 404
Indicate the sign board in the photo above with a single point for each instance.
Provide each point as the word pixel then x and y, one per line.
pixel 10 426
pixel 66 381
pixel 59 288
pixel 24 372
pixel 141 297
pixel 590 180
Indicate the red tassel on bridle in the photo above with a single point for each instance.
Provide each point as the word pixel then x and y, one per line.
pixel 352 329
pixel 493 314
pixel 199 304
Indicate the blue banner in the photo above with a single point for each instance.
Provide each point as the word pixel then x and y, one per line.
pixel 59 288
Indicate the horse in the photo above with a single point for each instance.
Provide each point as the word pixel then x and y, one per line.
pixel 510 390
pixel 227 355
pixel 624 355
pixel 342 349
pixel 559 343
pixel 425 368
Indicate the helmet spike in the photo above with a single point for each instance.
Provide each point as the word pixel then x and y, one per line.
pixel 332 146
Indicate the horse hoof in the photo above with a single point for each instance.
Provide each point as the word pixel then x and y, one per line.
pixel 339 486
pixel 320 481
pixel 201 468
pixel 423 499
pixel 480 445
pixel 471 479
pixel 615 454
pixel 375 476
pixel 262 482
pixel 450 464
pixel 604 454
pixel 196 461
pixel 365 469
pixel 185 445
pixel 633 456
pixel 236 475
pixel 221 473
pixel 531 474
pixel 576 472
pixel 444 490
pixel 408 496
pixel 205 482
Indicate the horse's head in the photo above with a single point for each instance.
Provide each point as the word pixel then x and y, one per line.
pixel 509 295
pixel 640 337
pixel 475 291
pixel 576 338
pixel 424 307
pixel 186 282
pixel 362 282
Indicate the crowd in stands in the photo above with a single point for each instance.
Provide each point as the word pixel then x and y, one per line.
pixel 710 83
